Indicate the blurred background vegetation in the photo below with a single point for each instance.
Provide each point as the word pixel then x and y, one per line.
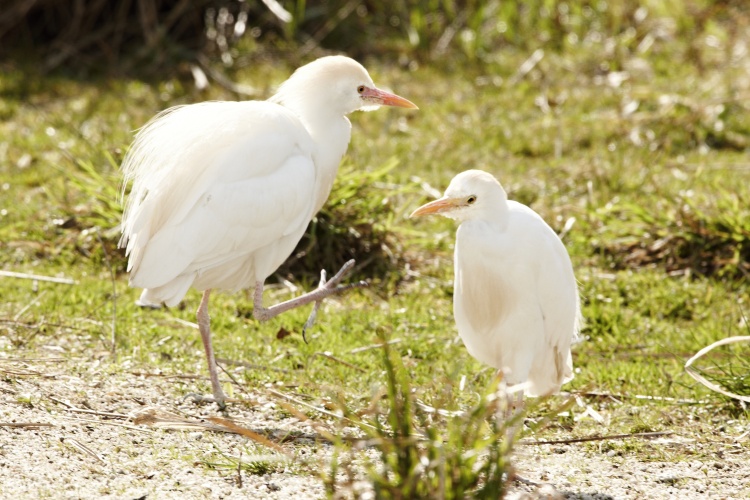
pixel 497 43
pixel 149 36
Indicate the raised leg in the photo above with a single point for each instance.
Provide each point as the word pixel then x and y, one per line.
pixel 325 289
pixel 316 306
pixel 204 325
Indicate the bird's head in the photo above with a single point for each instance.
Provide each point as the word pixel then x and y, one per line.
pixel 337 84
pixel 473 194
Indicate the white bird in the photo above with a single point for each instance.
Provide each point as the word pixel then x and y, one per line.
pixel 515 300
pixel 222 192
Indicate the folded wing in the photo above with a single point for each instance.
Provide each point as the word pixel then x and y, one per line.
pixel 243 184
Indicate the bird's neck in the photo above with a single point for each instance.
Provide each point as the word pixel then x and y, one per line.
pixel 498 222
pixel 331 136
pixel 330 130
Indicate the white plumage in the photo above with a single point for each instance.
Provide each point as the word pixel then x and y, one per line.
pixel 223 191
pixel 217 211
pixel 515 299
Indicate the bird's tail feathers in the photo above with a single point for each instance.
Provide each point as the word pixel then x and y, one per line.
pixel 170 294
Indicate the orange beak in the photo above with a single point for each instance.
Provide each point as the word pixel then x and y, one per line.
pixel 384 98
pixel 438 206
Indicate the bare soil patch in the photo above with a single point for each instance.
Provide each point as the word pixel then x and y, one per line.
pixel 69 431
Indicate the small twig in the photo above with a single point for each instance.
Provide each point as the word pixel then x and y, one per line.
pixel 26 425
pixel 186 323
pixel 72 408
pixel 251 365
pixel 29 306
pixel 68 405
pixel 106 422
pixel 618 397
pixel 159 419
pixel 703 380
pixel 154 417
pixel 322 431
pixel 21 373
pixel 162 375
pixel 329 26
pixel 258 438
pixel 38 277
pixel 280 12
pixel 374 346
pixel 33 360
pixel 316 408
pixel 238 384
pixel 330 356
pixel 222 80
pixel 44 323
pixel 81 447
pixel 527 66
pixel 599 438
pixel 446 37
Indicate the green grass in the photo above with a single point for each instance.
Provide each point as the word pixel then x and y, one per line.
pixel 653 169
pixel 440 449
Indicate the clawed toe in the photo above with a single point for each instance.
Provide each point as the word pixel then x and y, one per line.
pixel 331 287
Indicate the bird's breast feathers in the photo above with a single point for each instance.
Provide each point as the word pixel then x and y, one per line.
pixel 482 294
pixel 495 274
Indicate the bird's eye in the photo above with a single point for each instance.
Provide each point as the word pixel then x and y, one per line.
pixel 361 89
pixel 471 199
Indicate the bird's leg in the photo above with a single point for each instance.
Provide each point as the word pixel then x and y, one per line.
pixel 512 412
pixel 204 325
pixel 325 289
pixel 515 404
pixel 316 306
pixel 507 414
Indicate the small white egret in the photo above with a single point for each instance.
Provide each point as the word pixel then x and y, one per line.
pixel 515 300
pixel 223 191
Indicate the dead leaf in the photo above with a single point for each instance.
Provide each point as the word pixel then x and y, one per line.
pixel 282 333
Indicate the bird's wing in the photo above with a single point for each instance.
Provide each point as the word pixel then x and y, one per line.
pixel 557 292
pixel 240 176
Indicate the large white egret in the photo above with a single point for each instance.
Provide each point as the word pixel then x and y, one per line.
pixel 515 297
pixel 223 191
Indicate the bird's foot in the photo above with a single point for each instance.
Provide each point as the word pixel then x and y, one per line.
pixel 325 289
pixel 332 286
pixel 316 305
pixel 200 399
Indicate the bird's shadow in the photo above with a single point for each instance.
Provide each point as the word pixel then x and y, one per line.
pixel 548 490
pixel 572 495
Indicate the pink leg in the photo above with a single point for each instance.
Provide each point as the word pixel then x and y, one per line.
pixel 516 405
pixel 204 325
pixel 513 407
pixel 325 289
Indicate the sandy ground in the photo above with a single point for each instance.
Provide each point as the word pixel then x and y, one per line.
pixel 78 436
